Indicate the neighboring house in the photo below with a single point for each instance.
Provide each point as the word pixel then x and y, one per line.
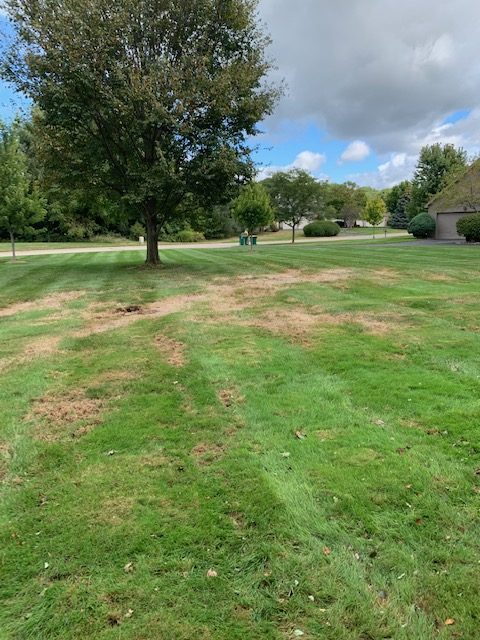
pixel 457 200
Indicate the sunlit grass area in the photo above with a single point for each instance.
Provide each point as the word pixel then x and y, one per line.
pixel 272 444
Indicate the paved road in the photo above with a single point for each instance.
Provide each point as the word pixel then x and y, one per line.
pixel 198 245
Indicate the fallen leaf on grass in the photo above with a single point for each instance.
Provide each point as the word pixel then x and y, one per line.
pixel 327 551
pixel 300 435
pixel 298 633
pixel 380 423
pixel 211 573
pixel 449 622
pixel 129 613
pixel 128 568
pixel 285 454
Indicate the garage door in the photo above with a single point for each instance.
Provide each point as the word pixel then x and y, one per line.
pixel 447 226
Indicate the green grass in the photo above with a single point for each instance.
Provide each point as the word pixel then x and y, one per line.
pixel 363 349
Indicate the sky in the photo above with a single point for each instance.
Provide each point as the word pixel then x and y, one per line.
pixel 368 83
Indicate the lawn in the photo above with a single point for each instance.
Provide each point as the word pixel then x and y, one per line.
pixel 278 444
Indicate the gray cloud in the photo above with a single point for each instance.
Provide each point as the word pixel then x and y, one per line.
pixel 382 71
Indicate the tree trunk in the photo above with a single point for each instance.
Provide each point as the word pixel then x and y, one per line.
pixel 293 234
pixel 12 240
pixel 151 223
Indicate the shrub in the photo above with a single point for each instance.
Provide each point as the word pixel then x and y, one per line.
pixel 321 229
pixel 137 230
pixel 469 226
pixel 422 226
pixel 188 235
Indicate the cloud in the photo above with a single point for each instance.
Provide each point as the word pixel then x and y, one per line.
pixel 355 152
pixel 387 74
pixel 400 166
pixel 306 160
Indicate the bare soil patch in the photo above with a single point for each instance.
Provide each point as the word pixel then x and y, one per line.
pixel 53 301
pixel 172 350
pixel 56 414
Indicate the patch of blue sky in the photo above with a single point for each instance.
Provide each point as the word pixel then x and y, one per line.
pixel 456 116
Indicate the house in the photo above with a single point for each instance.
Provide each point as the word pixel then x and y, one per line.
pixel 457 200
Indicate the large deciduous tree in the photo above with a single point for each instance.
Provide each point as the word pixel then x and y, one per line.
pixel 21 205
pixel 152 99
pixel 295 196
pixel 437 165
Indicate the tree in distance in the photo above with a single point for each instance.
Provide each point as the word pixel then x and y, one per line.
pixel 252 208
pixel 375 212
pixel 295 196
pixel 151 100
pixel 21 205
pixel 437 166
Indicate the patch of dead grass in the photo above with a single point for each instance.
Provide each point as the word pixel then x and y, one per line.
pixel 37 348
pixel 53 301
pixel 115 511
pixel 206 454
pixel 172 350
pixel 111 318
pixel 4 460
pixel 230 397
pixel 297 323
pixel 57 414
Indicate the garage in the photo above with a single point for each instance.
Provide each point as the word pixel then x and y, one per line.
pixel 447 226
pixel 458 199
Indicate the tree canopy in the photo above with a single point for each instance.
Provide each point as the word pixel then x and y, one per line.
pixel 154 101
pixel 20 203
pixel 295 196
pixel 252 208
pixel 437 165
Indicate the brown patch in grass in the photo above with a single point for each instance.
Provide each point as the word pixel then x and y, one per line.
pixel 55 413
pixel 52 301
pixel 37 348
pixel 4 460
pixel 207 453
pixel 172 349
pixel 42 347
pixel 116 376
pixel 437 277
pixel 153 460
pixel 297 324
pixel 109 319
pixel 114 511
pixel 229 397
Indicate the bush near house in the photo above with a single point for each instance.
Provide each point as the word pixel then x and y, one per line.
pixel 470 227
pixel 321 229
pixel 422 226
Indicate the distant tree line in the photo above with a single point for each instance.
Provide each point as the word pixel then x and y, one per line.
pixel 34 206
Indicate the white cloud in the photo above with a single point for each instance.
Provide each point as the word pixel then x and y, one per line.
pixel 306 160
pixel 400 166
pixel 355 152
pixel 397 71
pixel 309 161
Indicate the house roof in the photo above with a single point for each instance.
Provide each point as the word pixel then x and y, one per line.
pixel 462 190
